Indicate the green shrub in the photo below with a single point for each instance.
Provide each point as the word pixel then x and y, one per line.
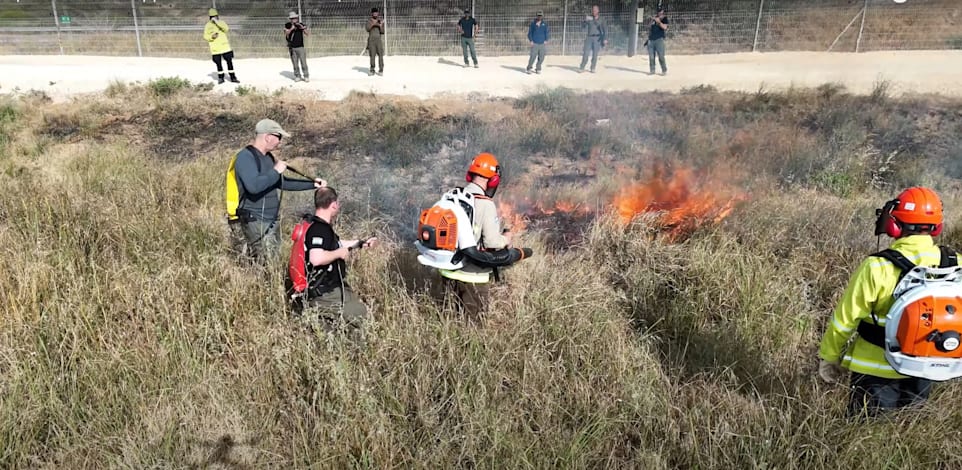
pixel 167 86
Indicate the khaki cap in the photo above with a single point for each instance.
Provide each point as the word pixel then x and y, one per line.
pixel 269 126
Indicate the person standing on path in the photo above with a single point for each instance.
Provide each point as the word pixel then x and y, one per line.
pixel 596 37
pixel 215 33
pixel 375 40
pixel 468 27
pixel 538 35
pixel 656 41
pixel 295 31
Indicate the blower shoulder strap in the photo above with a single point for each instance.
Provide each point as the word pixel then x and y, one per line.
pixel 950 258
pixel 898 259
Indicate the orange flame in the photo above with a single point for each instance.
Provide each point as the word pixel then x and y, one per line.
pixel 683 204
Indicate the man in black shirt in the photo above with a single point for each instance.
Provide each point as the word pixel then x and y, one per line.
pixel 656 41
pixel 468 27
pixel 295 31
pixel 328 294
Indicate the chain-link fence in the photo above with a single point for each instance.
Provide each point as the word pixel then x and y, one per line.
pixel 173 28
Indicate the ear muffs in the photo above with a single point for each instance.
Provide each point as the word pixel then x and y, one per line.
pixel 885 223
pixel 936 230
pixel 468 177
pixel 495 180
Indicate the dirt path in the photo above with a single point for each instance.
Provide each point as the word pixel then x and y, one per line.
pixel 333 77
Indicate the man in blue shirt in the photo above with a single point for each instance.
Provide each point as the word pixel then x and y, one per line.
pixel 538 36
pixel 468 27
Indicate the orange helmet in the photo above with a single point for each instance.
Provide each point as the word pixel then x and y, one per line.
pixel 916 208
pixel 485 165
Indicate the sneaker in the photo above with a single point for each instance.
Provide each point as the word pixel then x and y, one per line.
pixel 466 65
pixel 305 79
pixel 528 71
pixel 475 65
pixel 371 73
pixel 380 73
pixel 538 71
pixel 297 79
pixel 592 70
pixel 581 70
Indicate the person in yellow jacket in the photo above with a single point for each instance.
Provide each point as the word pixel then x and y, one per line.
pixel 912 219
pixel 469 285
pixel 215 33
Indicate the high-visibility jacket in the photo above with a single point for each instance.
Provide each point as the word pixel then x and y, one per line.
pixel 870 292
pixel 220 44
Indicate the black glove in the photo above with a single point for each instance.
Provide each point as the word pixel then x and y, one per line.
pixel 496 258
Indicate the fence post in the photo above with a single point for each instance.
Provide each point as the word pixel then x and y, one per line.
pixel 213 4
pixel 133 10
pixel 56 20
pixel 858 42
pixel 384 15
pixel 758 24
pixel 633 42
pixel 564 30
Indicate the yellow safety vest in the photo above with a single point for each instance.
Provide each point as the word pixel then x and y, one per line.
pixel 870 292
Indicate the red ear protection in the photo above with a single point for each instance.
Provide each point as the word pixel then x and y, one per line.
pixel 493 181
pixel 885 223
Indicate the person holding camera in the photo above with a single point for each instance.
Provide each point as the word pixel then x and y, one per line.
pixel 468 27
pixel 295 31
pixel 375 40
pixel 656 41
pixel 595 39
pixel 215 33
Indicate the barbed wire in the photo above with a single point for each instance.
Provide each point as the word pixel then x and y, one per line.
pixel 166 28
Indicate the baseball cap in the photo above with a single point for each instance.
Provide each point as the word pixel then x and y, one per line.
pixel 467 11
pixel 292 15
pixel 540 13
pixel 268 126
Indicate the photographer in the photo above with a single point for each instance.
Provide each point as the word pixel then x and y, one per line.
pixel 215 33
pixel 295 31
pixel 656 41
pixel 375 40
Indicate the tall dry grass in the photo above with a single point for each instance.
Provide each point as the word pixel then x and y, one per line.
pixel 130 338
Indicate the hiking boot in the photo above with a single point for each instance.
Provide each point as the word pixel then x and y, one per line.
pixel 234 79
pixel 220 80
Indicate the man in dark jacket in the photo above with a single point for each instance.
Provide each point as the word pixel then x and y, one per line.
pixel 538 35
pixel 259 178
pixel 468 27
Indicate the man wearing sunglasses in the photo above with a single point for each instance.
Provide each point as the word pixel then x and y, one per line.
pixel 256 178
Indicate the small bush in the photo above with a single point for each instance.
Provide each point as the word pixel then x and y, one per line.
pixel 167 86
pixel 116 88
pixel 245 90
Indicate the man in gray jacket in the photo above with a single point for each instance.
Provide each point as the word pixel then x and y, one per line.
pixel 259 177
pixel 596 37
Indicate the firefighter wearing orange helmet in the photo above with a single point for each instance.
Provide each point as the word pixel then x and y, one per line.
pixel 912 219
pixel 469 285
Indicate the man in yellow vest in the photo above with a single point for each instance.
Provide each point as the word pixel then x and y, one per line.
pixel 912 219
pixel 215 33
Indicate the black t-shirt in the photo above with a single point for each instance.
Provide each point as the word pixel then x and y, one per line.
pixel 656 31
pixel 325 278
pixel 467 27
pixel 296 38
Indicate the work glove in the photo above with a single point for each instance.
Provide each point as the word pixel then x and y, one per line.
pixel 830 372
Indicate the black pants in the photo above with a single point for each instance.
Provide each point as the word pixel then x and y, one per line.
pixel 229 58
pixel 874 395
